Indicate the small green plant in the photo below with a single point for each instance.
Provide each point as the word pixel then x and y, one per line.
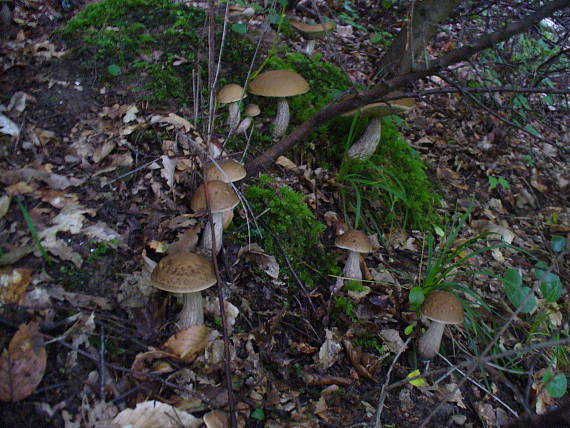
pixel 344 305
pixel 99 249
pixel 494 182
pixel 33 232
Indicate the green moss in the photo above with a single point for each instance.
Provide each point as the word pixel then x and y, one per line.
pixel 345 306
pixel 289 228
pixel 156 43
pixel 392 187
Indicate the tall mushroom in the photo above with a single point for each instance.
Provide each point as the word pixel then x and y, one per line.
pixel 356 242
pixel 312 32
pixel 228 171
pixel 189 274
pixel 231 94
pixel 367 143
pixel 222 198
pixel 441 307
pixel 279 84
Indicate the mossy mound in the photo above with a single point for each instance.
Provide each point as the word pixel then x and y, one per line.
pixel 392 187
pixel 151 47
pixel 289 228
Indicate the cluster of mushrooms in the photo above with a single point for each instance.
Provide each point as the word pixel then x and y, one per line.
pixel 440 307
pixel 190 273
pixel 279 84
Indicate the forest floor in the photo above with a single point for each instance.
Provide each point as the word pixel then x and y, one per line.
pixel 104 208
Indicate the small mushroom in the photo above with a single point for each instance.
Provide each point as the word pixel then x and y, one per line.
pixel 312 32
pixel 237 11
pixel 279 84
pixel 189 274
pixel 251 110
pixel 441 307
pixel 232 94
pixel 222 198
pixel 367 143
pixel 216 419
pixel 228 171
pixel 356 242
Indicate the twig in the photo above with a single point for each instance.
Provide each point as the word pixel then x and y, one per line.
pixel 228 374
pixel 130 172
pixel 474 382
pixel 102 362
pixel 383 393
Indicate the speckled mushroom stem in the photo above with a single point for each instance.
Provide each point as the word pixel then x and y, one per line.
pixel 234 116
pixel 281 120
pixel 218 220
pixel 192 310
pixel 244 125
pixel 352 267
pixel 310 47
pixel 366 145
pixel 428 345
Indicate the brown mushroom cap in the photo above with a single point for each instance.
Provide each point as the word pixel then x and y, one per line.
pixel 252 110
pixel 313 31
pixel 183 273
pixel 222 197
pixel 444 307
pixel 401 105
pixel 230 93
pixel 232 171
pixel 354 240
pixel 278 83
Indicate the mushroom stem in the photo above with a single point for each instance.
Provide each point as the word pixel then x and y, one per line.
pixel 352 267
pixel 218 220
pixel 281 120
pixel 233 117
pixel 428 345
pixel 192 310
pixel 244 125
pixel 366 145
pixel 310 47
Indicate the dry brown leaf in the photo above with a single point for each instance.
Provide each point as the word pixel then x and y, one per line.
pixel 144 362
pixel 103 151
pixel 216 419
pixel 188 343
pixel 265 261
pixel 4 204
pixel 329 351
pixel 154 414
pixel 392 340
pixel 13 285
pixel 23 364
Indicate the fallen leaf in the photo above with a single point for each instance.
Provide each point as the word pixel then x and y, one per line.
pixel 131 114
pixel 5 204
pixel 188 343
pixel 23 364
pixel 167 172
pixel 103 151
pixel 266 262
pixel 212 306
pixel 153 414
pixel 173 119
pixel 329 351
pixel 13 285
pixel 392 340
pixel 8 127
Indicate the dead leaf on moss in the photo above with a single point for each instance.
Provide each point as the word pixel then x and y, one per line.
pixel 13 285
pixel 265 261
pixel 153 414
pixel 329 351
pixel 23 364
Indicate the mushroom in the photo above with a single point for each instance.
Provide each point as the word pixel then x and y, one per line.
pixel 236 11
pixel 367 143
pixel 222 198
pixel 313 32
pixel 280 84
pixel 356 242
pixel 189 274
pixel 216 419
pixel 251 110
pixel 228 171
pixel 232 94
pixel 441 307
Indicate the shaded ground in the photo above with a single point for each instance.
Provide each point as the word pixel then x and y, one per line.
pixel 277 370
